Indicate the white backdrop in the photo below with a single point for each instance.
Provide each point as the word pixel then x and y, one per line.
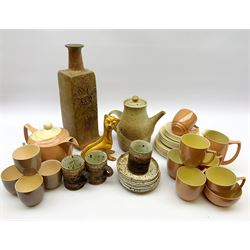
pixel 204 70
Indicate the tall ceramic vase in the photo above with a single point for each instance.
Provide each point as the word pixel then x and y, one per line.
pixel 77 87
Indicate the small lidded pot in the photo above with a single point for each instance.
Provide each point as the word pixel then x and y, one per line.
pixel 55 143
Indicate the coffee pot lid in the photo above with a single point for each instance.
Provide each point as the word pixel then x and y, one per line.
pixel 135 102
pixel 48 132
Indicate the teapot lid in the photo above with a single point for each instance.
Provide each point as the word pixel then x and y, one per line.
pixel 48 132
pixel 135 102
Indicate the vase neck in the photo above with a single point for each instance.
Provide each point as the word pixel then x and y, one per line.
pixel 75 56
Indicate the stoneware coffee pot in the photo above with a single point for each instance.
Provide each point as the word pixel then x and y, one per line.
pixel 55 143
pixel 134 122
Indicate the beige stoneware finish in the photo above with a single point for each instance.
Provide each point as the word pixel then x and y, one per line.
pixel 134 122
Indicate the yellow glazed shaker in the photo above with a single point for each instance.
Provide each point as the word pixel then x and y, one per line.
pixel 55 143
pixel 134 122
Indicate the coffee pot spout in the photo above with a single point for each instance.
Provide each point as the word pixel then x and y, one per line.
pixel 154 119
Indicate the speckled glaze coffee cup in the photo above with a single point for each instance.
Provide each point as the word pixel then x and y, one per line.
pixel 27 159
pixel 74 174
pixel 96 165
pixel 140 153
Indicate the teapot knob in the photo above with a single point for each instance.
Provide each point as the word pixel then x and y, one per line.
pixel 47 125
pixel 135 98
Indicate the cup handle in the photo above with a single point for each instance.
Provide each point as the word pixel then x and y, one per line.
pixel 243 180
pixel 212 158
pixel 27 128
pixel 108 171
pixel 236 153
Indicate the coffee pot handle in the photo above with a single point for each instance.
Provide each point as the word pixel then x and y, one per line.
pixel 27 127
pixel 236 153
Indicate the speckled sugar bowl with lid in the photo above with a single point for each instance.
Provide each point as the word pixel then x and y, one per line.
pixel 134 122
pixel 55 143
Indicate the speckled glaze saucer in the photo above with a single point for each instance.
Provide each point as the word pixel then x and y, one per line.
pixel 138 183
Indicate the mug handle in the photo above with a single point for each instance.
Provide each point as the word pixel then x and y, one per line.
pixel 236 153
pixel 212 158
pixel 242 179
pixel 108 171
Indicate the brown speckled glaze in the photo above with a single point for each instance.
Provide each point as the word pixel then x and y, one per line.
pixel 74 179
pixel 77 88
pixel 96 164
pixel 139 157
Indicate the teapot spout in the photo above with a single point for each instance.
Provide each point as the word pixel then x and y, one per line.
pixel 154 119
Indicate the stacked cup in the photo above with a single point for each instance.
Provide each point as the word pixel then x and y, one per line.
pixel 26 178
pixel 169 136
pixel 196 167
pixel 138 171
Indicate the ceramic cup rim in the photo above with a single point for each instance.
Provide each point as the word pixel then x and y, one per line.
pixel 10 179
pixel 29 191
pixel 133 143
pixel 223 169
pixel 34 154
pixel 51 161
pixel 171 155
pixel 99 163
pixel 70 156
pixel 189 145
pixel 191 169
pixel 206 134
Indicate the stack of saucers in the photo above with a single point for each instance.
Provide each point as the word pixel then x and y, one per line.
pixel 138 183
pixel 167 140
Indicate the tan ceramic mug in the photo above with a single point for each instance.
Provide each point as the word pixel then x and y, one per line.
pixel 222 180
pixel 183 121
pixel 190 183
pixel 220 143
pixel 27 159
pixel 193 149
